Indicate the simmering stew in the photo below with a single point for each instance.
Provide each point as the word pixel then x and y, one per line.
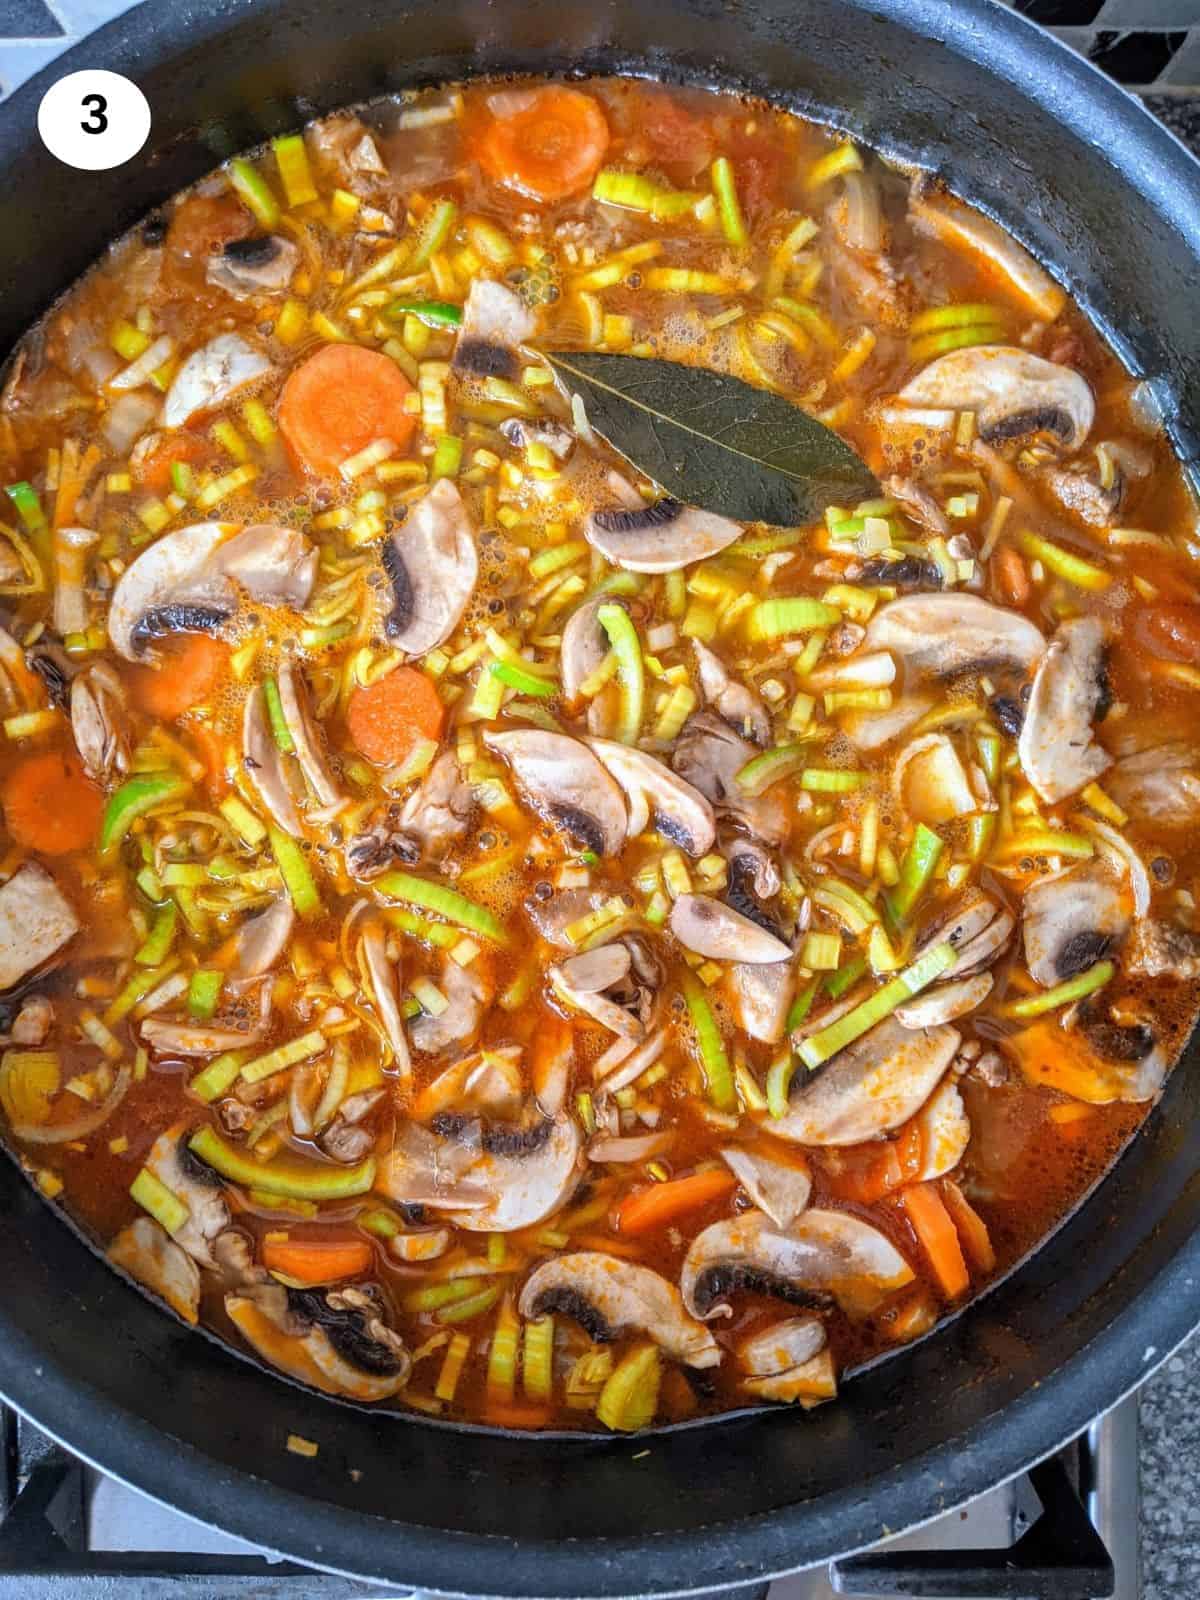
pixel 492 931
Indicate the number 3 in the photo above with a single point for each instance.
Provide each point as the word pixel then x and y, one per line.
pixel 96 121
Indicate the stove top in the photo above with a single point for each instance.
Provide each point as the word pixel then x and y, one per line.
pixel 1066 1530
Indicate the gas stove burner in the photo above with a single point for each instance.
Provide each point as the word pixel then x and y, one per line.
pixel 1066 1530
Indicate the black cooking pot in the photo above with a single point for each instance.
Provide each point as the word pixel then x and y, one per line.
pixel 1112 203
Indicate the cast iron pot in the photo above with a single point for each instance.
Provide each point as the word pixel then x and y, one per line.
pixel 1099 191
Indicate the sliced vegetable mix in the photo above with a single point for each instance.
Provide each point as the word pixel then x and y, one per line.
pixel 516 837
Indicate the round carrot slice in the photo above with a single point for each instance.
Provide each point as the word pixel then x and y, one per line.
pixel 386 718
pixel 189 670
pixel 341 400
pixel 51 805
pixel 549 146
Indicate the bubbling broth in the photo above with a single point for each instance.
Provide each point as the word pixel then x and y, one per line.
pixel 493 934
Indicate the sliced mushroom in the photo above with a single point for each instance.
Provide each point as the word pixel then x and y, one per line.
pixel 945 1002
pixel 211 375
pixel 36 921
pixel 779 1188
pixel 297 716
pixel 98 721
pixel 197 1186
pixel 192 1039
pixel 49 662
pixel 729 698
pixel 520 431
pixel 940 635
pixel 869 1088
pixel 977 926
pixel 432 566
pixel 583 981
pixel 438 811
pixel 1159 785
pixel 584 648
pixel 525 1173
pixel 565 783
pixel 679 811
pixel 710 928
pixel 609 1297
pixel 262 939
pixel 261 265
pixel 334 1339
pixel 347 1139
pixel 385 991
pixel 945 1131
pixel 561 909
pixel 263 761
pixel 173 586
pixel 1072 921
pixel 467 997
pixel 148 1253
pixel 822 1258
pixel 1058 752
pixel 789 1361
pixel 917 504
pixel 494 323
pixel 630 1147
pixel 709 755
pixel 1011 392
pixel 276 565
pixel 871 730
pixel 968 232
pixel 762 997
pixel 660 537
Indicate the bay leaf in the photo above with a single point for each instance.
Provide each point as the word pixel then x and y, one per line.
pixel 712 441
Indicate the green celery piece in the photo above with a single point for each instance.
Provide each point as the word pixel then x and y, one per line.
pixel 926 969
pixel 156 946
pixel 279 728
pixel 286 1175
pixel 920 860
pixel 718 1074
pixel 132 800
pixel 296 874
pixel 631 670
pixel 1063 994
pixel 445 902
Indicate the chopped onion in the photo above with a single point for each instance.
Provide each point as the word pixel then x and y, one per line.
pixel 126 420
pixel 81 1127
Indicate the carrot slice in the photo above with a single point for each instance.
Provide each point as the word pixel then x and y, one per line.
pixel 661 1203
pixel 317 1260
pixel 341 400
pixel 387 718
pixel 191 665
pixel 548 147
pixel 51 805
pixel 972 1229
pixel 935 1232
pixel 152 470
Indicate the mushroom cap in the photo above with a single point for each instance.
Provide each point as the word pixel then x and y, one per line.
pixel 762 997
pixel 731 699
pixel 467 997
pixel 584 644
pixel 1070 921
pixel 711 928
pixel 1011 392
pixel 148 1253
pixel 709 754
pixel 177 569
pixel 945 1132
pixel 197 1186
pixel 1057 750
pixel 567 784
pixel 494 322
pixel 822 1256
pixel 939 635
pixel 432 565
pixel 262 938
pixel 608 1296
pixel 661 537
pixel 384 978
pixel 293 700
pixel 1160 784
pixel 870 1087
pixel 945 1002
pixel 678 809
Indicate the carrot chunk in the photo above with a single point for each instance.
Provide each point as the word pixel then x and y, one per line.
pixel 937 1237
pixel 548 147
pixel 191 665
pixel 317 1260
pixel 51 805
pixel 386 718
pixel 660 1203
pixel 338 402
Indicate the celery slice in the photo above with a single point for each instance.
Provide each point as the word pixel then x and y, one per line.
pixel 286 1175
pixel 445 902
pixel 773 619
pixel 294 869
pixel 629 1399
pixel 733 224
pixel 254 190
pixel 718 1075
pixel 916 869
pixel 631 670
pixel 279 728
pixel 926 969
pixel 163 1204
pixel 1063 994
pixel 156 947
